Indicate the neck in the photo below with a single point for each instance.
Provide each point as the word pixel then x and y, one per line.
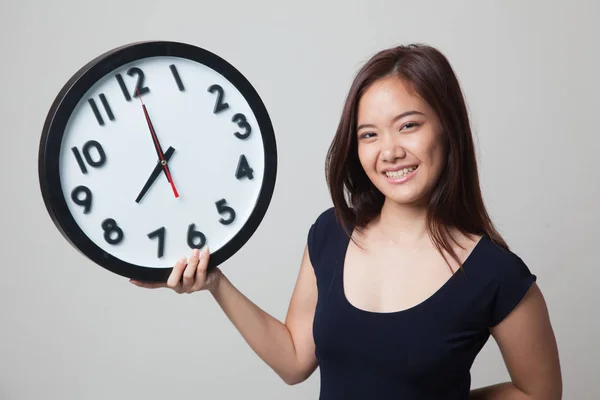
pixel 402 223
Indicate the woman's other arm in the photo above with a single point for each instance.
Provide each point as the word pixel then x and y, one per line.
pixel 528 345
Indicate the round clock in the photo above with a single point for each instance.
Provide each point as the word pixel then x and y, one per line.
pixel 154 149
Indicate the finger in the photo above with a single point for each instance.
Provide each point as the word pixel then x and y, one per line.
pixel 201 270
pixel 148 285
pixel 174 281
pixel 190 271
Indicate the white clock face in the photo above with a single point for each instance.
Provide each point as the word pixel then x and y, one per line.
pixel 208 132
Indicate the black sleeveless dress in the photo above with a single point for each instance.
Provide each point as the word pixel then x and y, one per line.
pixel 424 352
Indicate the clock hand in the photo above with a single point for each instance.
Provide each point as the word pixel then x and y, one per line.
pixel 157 145
pixel 155 173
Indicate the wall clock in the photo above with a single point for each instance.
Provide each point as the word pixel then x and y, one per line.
pixel 153 149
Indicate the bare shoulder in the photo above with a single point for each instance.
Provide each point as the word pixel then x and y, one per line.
pixel 465 240
pixel 462 243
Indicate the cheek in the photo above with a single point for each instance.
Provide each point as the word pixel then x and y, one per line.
pixel 437 157
pixel 367 159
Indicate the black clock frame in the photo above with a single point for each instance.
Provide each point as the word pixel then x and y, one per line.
pixel 61 110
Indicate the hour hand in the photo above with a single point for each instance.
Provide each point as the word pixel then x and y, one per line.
pixel 155 173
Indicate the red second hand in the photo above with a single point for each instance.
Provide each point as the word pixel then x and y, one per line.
pixel 157 145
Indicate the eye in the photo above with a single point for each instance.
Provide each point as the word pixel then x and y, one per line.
pixel 410 125
pixel 366 135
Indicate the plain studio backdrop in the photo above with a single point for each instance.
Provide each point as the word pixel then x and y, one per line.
pixel 530 73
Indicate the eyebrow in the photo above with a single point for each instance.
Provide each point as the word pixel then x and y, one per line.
pixel 396 118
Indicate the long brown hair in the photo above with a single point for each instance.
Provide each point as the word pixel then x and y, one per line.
pixel 456 199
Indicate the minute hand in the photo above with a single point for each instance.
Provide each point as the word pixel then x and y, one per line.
pixel 157 146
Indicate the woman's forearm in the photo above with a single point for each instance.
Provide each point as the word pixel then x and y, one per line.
pixel 500 391
pixel 268 337
pixel 508 391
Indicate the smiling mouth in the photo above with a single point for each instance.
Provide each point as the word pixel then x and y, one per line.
pixel 400 173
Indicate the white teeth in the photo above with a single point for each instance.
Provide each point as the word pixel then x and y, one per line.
pixel 400 173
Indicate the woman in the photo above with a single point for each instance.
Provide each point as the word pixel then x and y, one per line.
pixel 405 278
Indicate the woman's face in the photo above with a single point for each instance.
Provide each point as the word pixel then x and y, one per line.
pixel 400 144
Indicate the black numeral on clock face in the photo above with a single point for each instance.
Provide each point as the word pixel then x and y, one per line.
pixel 96 111
pixel 160 234
pixel 113 234
pixel 133 71
pixel 223 208
pixel 91 144
pixel 195 239
pixel 243 169
pixel 220 105
pixel 240 120
pixel 86 201
pixel 173 69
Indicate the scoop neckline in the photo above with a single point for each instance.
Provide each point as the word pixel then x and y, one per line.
pixel 422 304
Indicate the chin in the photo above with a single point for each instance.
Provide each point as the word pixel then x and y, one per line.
pixel 404 200
pixel 402 194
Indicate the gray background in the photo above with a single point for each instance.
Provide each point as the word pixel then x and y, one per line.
pixel 529 69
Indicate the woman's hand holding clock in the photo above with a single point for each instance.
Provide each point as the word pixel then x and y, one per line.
pixel 188 277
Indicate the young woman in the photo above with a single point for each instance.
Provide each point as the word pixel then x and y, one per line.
pixel 405 278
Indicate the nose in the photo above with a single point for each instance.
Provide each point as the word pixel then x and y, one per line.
pixel 391 148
